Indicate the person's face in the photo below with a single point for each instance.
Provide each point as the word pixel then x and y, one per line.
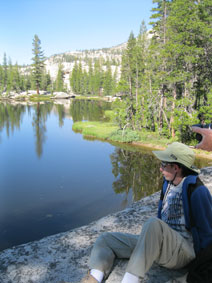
pixel 168 170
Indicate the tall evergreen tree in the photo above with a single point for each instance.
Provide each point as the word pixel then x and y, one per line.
pixel 1 79
pixel 59 84
pixel 73 78
pixel 5 72
pixel 97 77
pixel 17 84
pixel 9 85
pixel 38 62
pixel 128 78
pixel 46 82
pixel 90 78
pixel 108 81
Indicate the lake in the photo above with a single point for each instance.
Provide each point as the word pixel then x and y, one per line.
pixel 53 180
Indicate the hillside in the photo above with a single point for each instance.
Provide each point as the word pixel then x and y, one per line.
pixel 68 60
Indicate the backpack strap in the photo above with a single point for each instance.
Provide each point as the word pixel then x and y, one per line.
pixel 190 190
pixel 161 194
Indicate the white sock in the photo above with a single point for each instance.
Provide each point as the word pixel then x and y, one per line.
pixel 130 278
pixel 97 274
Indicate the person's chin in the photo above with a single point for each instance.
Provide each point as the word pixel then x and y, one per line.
pixel 166 178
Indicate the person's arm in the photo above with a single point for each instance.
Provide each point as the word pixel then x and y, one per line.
pixel 201 205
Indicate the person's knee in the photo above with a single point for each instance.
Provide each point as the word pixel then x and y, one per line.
pixel 103 238
pixel 153 225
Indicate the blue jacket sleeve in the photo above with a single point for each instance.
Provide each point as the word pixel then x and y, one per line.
pixel 201 203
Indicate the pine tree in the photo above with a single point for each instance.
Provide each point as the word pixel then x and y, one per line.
pixel 38 62
pixel 80 79
pixel 5 74
pixel 1 79
pixel 59 84
pixel 46 82
pixel 168 82
pixel 9 85
pixel 128 78
pixel 73 78
pixel 90 78
pixel 108 81
pixel 97 77
pixel 17 86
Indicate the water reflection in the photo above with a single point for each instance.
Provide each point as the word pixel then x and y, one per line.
pixel 137 170
pixel 88 110
pixel 61 113
pixel 41 112
pixel 10 117
pixel 132 172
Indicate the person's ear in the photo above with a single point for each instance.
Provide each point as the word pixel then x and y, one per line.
pixel 176 167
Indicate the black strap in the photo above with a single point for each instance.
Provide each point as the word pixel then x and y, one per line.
pixel 161 194
pixel 190 190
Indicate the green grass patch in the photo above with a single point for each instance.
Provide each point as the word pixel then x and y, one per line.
pixel 98 130
pixel 124 136
pixel 153 138
pixel 21 98
pixel 37 98
pixel 82 97
pixel 110 132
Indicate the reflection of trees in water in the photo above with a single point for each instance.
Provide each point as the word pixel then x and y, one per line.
pixel 88 110
pixel 137 171
pixel 10 117
pixel 61 114
pixel 39 124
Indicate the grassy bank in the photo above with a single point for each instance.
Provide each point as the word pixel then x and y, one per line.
pixel 108 131
pixel 33 98
pixel 84 97
pixel 98 130
pixel 38 98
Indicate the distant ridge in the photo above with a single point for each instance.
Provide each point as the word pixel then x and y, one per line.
pixel 69 58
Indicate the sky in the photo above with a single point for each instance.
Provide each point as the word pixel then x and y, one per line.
pixel 67 25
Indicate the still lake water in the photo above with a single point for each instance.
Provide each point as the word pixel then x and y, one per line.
pixel 52 180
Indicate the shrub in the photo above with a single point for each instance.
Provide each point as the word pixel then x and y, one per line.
pixel 124 136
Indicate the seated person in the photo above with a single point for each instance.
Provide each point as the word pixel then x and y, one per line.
pixel 166 239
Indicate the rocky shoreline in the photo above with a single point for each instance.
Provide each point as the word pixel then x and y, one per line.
pixel 28 95
pixel 25 95
pixel 64 256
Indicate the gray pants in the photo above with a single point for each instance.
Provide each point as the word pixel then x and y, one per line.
pixel 156 243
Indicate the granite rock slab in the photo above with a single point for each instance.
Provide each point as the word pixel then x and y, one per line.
pixel 64 256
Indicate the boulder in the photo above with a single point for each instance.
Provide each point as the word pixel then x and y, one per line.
pixel 64 256
pixel 32 92
pixel 13 94
pixel 61 95
pixel 23 93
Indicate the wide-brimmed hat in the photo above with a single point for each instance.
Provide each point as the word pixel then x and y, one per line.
pixel 178 153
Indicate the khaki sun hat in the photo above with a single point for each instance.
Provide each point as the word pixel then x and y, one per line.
pixel 178 153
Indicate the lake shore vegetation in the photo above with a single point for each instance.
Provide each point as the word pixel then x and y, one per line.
pixel 165 83
pixel 108 132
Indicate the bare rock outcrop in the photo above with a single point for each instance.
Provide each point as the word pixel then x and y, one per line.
pixel 64 256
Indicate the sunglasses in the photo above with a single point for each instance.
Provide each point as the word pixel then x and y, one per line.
pixel 164 164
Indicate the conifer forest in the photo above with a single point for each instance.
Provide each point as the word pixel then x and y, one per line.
pixel 165 82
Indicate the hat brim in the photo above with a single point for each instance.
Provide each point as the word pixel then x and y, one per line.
pixel 163 156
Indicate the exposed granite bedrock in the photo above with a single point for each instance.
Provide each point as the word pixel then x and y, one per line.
pixel 64 256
